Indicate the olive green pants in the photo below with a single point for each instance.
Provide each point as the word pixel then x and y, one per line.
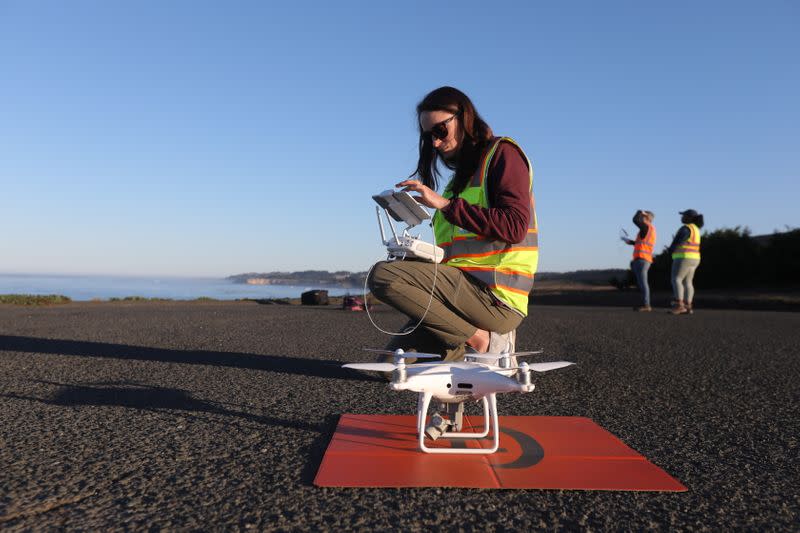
pixel 461 304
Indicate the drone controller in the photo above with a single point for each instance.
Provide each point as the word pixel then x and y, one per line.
pixel 401 206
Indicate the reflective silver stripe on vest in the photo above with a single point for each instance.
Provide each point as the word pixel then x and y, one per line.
pixel 492 278
pixel 471 246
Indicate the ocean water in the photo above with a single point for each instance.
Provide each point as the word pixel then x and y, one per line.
pixel 104 287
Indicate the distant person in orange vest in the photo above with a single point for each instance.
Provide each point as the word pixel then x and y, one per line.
pixel 685 250
pixel 643 254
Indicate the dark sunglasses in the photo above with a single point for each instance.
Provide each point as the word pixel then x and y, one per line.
pixel 439 130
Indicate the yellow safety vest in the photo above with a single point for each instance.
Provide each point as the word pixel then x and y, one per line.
pixel 689 249
pixel 507 269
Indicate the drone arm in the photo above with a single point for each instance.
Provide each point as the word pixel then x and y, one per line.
pixel 422 410
pixel 495 422
pixel 421 413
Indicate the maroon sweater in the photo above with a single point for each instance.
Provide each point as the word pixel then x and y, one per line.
pixel 510 198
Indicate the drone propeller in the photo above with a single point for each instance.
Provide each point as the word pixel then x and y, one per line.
pixel 375 367
pixel 485 356
pixel 495 356
pixel 409 355
pixel 542 367
pixel 384 367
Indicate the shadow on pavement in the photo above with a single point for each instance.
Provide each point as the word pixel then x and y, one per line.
pixel 150 398
pixel 316 450
pixel 268 363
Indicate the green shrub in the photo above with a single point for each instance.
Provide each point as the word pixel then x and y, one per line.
pixel 33 299
pixel 731 258
pixel 139 299
pixel 780 258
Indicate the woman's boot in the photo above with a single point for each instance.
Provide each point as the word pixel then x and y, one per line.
pixel 679 308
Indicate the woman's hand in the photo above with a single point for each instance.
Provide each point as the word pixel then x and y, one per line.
pixel 427 196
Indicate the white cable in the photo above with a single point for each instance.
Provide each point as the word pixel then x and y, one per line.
pixel 430 299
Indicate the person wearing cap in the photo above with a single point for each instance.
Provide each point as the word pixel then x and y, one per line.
pixel 643 248
pixel 685 250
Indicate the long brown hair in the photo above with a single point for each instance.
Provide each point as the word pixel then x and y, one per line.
pixel 476 135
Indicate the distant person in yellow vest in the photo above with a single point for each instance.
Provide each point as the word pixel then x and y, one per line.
pixel 685 250
pixel 643 254
pixel 486 223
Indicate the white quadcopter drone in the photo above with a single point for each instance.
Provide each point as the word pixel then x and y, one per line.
pixel 478 377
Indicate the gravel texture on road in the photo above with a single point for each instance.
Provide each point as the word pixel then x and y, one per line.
pixel 215 416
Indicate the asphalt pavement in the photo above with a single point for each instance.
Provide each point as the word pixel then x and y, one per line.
pixel 215 416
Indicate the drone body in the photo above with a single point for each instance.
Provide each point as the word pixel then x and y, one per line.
pixel 480 377
pixel 458 382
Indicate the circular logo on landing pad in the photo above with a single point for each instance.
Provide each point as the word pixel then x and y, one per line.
pixel 531 451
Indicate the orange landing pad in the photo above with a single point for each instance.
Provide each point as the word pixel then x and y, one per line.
pixel 536 452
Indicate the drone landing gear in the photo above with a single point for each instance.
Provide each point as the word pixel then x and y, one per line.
pixel 438 428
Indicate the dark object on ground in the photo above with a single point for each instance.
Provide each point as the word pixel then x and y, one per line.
pixel 624 281
pixel 352 303
pixel 269 301
pixel 316 297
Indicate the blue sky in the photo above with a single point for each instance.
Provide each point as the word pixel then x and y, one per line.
pixel 212 138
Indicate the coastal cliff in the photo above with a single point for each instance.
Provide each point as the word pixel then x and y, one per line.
pixel 346 279
pixel 321 278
